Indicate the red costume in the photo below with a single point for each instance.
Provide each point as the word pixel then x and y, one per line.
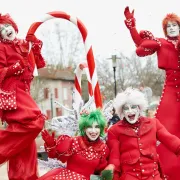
pixel 168 111
pixel 24 118
pixel 134 152
pixel 82 156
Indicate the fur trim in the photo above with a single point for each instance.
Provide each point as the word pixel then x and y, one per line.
pixel 169 17
pixel 130 96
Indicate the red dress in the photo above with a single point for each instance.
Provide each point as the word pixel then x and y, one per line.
pixel 83 158
pixel 168 111
pixel 17 141
pixel 134 152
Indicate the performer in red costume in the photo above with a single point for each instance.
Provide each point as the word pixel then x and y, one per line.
pixel 168 54
pixel 85 154
pixel 17 108
pixel 132 141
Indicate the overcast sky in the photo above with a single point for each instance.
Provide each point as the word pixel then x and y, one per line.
pixel 104 19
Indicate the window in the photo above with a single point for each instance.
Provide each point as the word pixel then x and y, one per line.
pixel 58 112
pixel 48 112
pixel 46 93
pixel 56 92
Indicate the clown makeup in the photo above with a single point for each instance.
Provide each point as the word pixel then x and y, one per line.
pixel 7 32
pixel 172 29
pixel 131 113
pixel 93 131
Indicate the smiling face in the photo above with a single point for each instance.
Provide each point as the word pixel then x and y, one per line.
pixel 93 131
pixel 131 113
pixel 172 29
pixel 7 32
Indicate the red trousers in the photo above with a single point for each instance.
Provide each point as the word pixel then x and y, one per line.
pixel 17 144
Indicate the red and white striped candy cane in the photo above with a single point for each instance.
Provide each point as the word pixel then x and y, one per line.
pixel 81 68
pixel 88 48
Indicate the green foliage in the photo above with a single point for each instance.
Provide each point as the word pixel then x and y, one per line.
pixel 105 175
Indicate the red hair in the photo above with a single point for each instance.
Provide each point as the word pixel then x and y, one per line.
pixel 169 17
pixel 6 19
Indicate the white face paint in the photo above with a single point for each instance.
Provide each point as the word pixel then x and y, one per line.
pixel 7 32
pixel 93 131
pixel 172 29
pixel 131 113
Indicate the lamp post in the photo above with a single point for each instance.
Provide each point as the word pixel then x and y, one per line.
pixel 114 65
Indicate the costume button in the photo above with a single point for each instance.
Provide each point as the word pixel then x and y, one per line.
pixel 178 66
pixel 140 144
pixel 140 164
pixel 176 86
pixel 174 71
pixel 134 169
pixel 153 175
pixel 155 162
pixel 142 170
pixel 137 174
pixel 140 149
pixel 139 138
pixel 175 79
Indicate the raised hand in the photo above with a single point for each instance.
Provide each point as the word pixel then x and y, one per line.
pixel 31 37
pixel 128 14
pixel 49 139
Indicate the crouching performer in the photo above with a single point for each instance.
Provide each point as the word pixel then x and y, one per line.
pixel 85 154
pixel 132 141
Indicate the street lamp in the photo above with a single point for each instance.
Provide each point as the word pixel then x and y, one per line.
pixel 114 65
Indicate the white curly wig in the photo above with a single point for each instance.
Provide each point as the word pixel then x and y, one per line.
pixel 130 96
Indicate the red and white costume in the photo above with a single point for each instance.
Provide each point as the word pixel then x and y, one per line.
pixel 83 158
pixel 168 111
pixel 17 141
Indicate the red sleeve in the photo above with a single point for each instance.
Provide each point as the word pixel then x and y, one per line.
pixel 170 141
pixel 36 48
pixel 12 70
pixel 103 161
pixel 114 146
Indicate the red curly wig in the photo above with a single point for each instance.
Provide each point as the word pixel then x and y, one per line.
pixel 6 19
pixel 170 17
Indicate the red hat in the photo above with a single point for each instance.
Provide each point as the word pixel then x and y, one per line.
pixel 6 19
pixel 170 17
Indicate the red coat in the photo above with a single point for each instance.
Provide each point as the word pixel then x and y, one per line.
pixel 134 154
pixel 83 158
pixel 17 141
pixel 168 57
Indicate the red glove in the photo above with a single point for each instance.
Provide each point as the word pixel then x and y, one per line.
pixel 49 139
pixel 15 69
pixel 32 38
pixel 128 14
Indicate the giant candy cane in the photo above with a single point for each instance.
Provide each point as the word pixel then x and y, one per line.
pixel 81 68
pixel 88 48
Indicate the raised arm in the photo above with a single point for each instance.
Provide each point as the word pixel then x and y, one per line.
pixel 131 25
pixel 36 48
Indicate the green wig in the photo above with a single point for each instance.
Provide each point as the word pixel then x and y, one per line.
pixel 86 120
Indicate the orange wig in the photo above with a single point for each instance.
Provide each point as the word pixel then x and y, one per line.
pixel 170 17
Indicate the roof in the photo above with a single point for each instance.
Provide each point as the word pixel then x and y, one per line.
pixel 59 74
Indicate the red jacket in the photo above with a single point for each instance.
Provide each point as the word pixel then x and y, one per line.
pixel 127 147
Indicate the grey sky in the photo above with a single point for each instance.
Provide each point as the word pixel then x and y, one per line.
pixel 104 19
